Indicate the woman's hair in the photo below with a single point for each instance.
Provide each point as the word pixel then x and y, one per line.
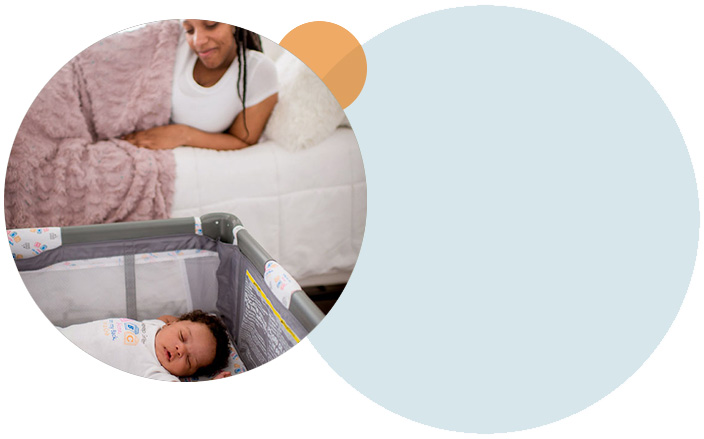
pixel 222 340
pixel 246 40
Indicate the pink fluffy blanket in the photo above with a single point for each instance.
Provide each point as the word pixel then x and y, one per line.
pixel 68 166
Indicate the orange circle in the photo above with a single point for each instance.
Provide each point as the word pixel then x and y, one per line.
pixel 333 54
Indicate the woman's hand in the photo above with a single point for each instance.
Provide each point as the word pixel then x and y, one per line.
pixel 163 137
pixel 237 137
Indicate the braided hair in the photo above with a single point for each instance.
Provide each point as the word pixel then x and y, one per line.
pixel 245 40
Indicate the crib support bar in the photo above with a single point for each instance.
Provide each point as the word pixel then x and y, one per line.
pixel 129 230
pixel 130 287
pixel 305 310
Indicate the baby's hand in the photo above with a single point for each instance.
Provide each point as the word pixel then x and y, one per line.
pixel 222 375
pixel 168 319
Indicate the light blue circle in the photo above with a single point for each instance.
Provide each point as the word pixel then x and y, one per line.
pixel 532 222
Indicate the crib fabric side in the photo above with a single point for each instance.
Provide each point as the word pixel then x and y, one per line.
pixel 148 277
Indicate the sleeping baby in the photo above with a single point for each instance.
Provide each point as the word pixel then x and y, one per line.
pixel 164 349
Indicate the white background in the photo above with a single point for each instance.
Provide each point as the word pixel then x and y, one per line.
pixel 49 386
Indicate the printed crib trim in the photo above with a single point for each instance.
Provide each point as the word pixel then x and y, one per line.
pixel 140 258
pixel 280 282
pixel 27 243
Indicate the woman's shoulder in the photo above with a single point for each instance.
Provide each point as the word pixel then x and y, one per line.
pixel 261 67
pixel 256 58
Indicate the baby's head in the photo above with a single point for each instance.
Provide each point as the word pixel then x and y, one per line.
pixel 196 343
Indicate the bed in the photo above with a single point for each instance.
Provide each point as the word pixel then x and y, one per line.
pixel 306 207
pixel 301 190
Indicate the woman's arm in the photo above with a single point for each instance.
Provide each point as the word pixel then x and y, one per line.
pixel 257 117
pixel 237 137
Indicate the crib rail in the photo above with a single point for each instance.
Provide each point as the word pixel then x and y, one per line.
pixel 218 226
pixel 129 230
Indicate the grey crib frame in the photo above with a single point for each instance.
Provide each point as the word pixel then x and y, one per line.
pixel 218 226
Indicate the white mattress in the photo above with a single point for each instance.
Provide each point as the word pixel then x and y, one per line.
pixel 306 208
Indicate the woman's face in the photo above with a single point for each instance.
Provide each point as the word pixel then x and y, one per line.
pixel 212 41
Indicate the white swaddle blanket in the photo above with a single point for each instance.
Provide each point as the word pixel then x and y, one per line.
pixel 125 344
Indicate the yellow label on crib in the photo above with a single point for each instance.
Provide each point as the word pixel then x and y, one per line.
pixel 295 337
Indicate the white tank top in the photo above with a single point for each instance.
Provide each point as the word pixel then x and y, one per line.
pixel 213 109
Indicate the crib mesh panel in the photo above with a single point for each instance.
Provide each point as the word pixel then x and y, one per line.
pixel 203 282
pixel 78 283
pixel 175 282
pixel 77 291
pixel 70 295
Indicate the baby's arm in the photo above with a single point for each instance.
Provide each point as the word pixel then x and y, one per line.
pixel 222 375
pixel 168 319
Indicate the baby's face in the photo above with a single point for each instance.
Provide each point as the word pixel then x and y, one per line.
pixel 183 347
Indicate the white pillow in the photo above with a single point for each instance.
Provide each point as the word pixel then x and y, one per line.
pixel 307 112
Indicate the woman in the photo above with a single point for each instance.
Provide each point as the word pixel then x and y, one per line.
pixel 217 103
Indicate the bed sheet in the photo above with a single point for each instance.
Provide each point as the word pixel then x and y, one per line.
pixel 306 208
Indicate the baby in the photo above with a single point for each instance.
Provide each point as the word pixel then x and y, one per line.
pixel 163 349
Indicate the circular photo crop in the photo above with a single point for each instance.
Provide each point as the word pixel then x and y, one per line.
pixel 185 200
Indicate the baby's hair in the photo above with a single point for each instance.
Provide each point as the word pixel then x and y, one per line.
pixel 222 340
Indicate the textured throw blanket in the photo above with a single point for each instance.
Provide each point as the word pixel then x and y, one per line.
pixel 68 166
